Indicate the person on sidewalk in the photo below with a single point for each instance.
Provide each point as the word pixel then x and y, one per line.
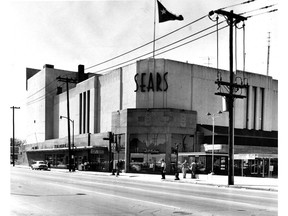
pixel 193 170
pixel 117 169
pixel 184 166
pixel 163 168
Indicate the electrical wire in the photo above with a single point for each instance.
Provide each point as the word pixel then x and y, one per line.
pixel 271 11
pixel 40 98
pixel 246 2
pixel 197 20
pixel 200 37
pixel 105 69
pixel 160 49
pixel 41 89
pixel 261 8
pixel 43 96
pixel 188 36
pixel 193 40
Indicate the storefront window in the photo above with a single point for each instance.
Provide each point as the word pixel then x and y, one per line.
pixel 49 160
pixel 254 166
pixel 201 164
pixel 146 151
pixel 60 160
pixel 98 162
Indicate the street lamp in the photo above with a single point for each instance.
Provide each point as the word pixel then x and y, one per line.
pixel 69 147
pixel 213 116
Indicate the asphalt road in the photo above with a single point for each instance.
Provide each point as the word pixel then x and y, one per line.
pixel 61 193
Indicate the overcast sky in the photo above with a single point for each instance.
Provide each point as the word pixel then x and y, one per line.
pixel 68 33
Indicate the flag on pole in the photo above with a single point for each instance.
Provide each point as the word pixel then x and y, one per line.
pixel 165 15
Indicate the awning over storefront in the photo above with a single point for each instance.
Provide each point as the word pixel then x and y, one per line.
pixel 241 136
pixel 253 156
pixel 236 156
pixel 65 149
pixel 187 154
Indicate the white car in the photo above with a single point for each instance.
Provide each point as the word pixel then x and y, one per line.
pixel 39 165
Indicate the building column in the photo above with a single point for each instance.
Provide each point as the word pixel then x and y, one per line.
pixel 250 108
pixel 127 152
pixel 198 140
pixel 168 152
pixel 258 109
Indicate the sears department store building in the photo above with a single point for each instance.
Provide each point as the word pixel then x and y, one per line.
pixel 149 109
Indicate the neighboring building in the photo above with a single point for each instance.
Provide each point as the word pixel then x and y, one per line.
pixel 150 108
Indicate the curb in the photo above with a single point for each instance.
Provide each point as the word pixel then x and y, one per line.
pixel 138 178
pixel 199 182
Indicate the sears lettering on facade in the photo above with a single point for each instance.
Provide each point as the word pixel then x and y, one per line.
pixel 154 83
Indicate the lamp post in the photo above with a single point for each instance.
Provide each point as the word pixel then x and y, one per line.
pixel 213 116
pixel 69 147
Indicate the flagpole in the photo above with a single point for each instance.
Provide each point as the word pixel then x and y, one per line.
pixel 154 29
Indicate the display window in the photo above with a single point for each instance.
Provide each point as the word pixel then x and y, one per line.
pixel 146 151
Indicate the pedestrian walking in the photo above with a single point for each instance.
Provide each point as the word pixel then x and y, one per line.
pixel 163 168
pixel 118 166
pixel 184 167
pixel 193 170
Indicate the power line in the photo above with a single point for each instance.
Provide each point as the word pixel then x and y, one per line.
pixel 192 40
pixel 205 34
pixel 146 43
pixel 271 11
pixel 42 97
pixel 246 2
pixel 41 89
pixel 261 8
pixel 105 69
pixel 155 50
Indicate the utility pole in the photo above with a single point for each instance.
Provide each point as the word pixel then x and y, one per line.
pixel 13 139
pixel 268 55
pixel 232 20
pixel 111 150
pixel 67 81
pixel 118 152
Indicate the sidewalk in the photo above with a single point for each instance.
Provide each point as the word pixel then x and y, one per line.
pixel 256 183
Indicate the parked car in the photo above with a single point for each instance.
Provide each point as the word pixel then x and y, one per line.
pixel 39 165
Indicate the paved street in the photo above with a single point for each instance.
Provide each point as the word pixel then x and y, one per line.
pixel 62 193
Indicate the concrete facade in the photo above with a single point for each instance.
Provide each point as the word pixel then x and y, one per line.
pixel 160 100
pixel 158 129
pixel 41 90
